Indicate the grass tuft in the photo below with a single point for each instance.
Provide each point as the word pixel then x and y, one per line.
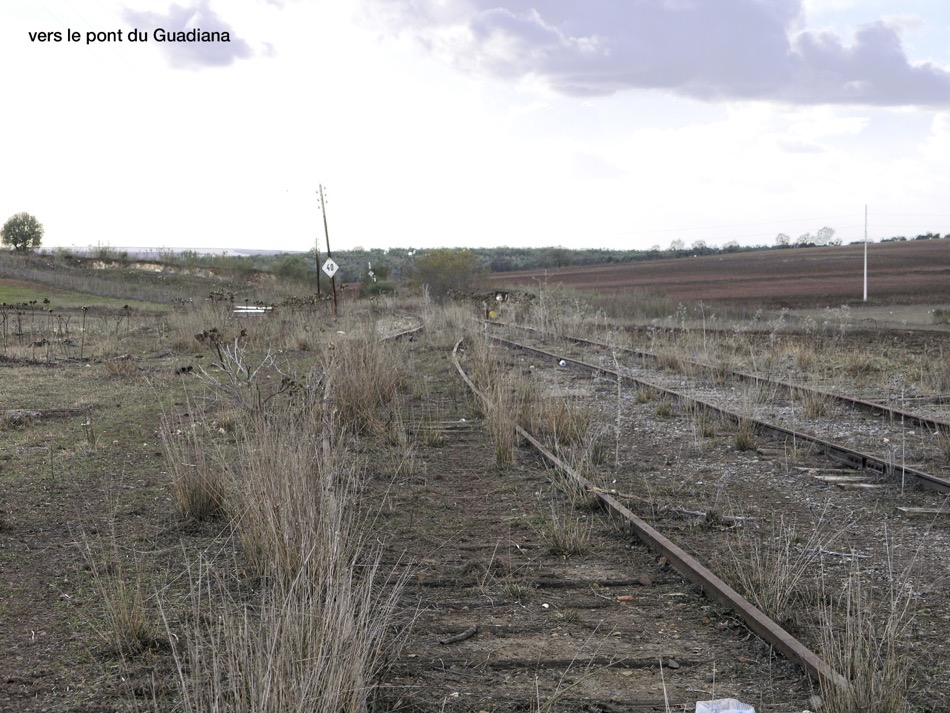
pixel 197 482
pixel 566 535
pixel 773 567
pixel 745 435
pixel 131 626
pixel 943 443
pixel 865 642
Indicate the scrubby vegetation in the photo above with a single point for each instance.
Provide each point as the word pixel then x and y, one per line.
pixel 216 470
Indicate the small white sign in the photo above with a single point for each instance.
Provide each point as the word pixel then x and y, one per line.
pixel 330 267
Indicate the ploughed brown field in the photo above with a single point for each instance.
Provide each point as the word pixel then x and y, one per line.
pixel 916 271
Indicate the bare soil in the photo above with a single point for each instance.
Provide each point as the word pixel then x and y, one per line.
pixel 915 272
pixel 609 628
pixel 613 628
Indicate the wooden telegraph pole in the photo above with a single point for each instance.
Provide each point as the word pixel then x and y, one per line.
pixel 329 266
pixel 316 258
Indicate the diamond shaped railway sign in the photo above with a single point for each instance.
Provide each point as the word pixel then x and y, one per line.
pixel 330 267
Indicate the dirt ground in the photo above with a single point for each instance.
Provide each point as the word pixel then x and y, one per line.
pixel 593 623
pixel 898 273
pixel 612 628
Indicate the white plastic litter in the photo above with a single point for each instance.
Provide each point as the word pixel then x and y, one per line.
pixel 723 705
pixel 562 363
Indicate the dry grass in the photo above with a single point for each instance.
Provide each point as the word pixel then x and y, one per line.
pixel 366 375
pixel 501 412
pixel 130 623
pixel 864 640
pixel 561 420
pixel 317 631
pixel 815 404
pixel 316 641
pixel 705 423
pixel 773 567
pixel 745 435
pixel 290 473
pixel 722 371
pixel 935 373
pixel 669 361
pixel 566 534
pixel 122 367
pixel 943 443
pixel 645 395
pixel 805 358
pixel 197 482
pixel 301 617
pixel 505 400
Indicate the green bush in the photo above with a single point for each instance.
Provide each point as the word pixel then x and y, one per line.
pixel 293 267
pixel 374 289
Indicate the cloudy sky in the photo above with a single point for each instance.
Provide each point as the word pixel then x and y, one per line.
pixel 582 123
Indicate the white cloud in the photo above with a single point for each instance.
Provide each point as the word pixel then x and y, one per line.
pixel 196 16
pixel 467 122
pixel 731 49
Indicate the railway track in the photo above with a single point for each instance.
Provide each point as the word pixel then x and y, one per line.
pixel 501 616
pixel 688 566
pixel 843 454
pixel 502 621
pixel 875 408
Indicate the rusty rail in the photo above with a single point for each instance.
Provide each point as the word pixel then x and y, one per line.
pixel 909 417
pixel 835 451
pixel 689 567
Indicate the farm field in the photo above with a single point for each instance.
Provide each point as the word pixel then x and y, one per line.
pixel 294 511
pixel 912 272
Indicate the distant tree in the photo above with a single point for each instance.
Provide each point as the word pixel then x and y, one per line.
pixel 731 247
pixel 293 267
pixel 824 236
pixel 805 239
pixel 443 270
pixel 677 245
pixel 559 257
pixel 380 270
pixel 500 264
pixel 373 279
pixel 22 232
pixel 782 240
pixel 699 245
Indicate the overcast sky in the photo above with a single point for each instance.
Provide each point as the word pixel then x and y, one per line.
pixel 582 123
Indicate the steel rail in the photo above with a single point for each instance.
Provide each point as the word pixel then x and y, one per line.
pixel 688 566
pixel 836 451
pixel 405 333
pixel 931 424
